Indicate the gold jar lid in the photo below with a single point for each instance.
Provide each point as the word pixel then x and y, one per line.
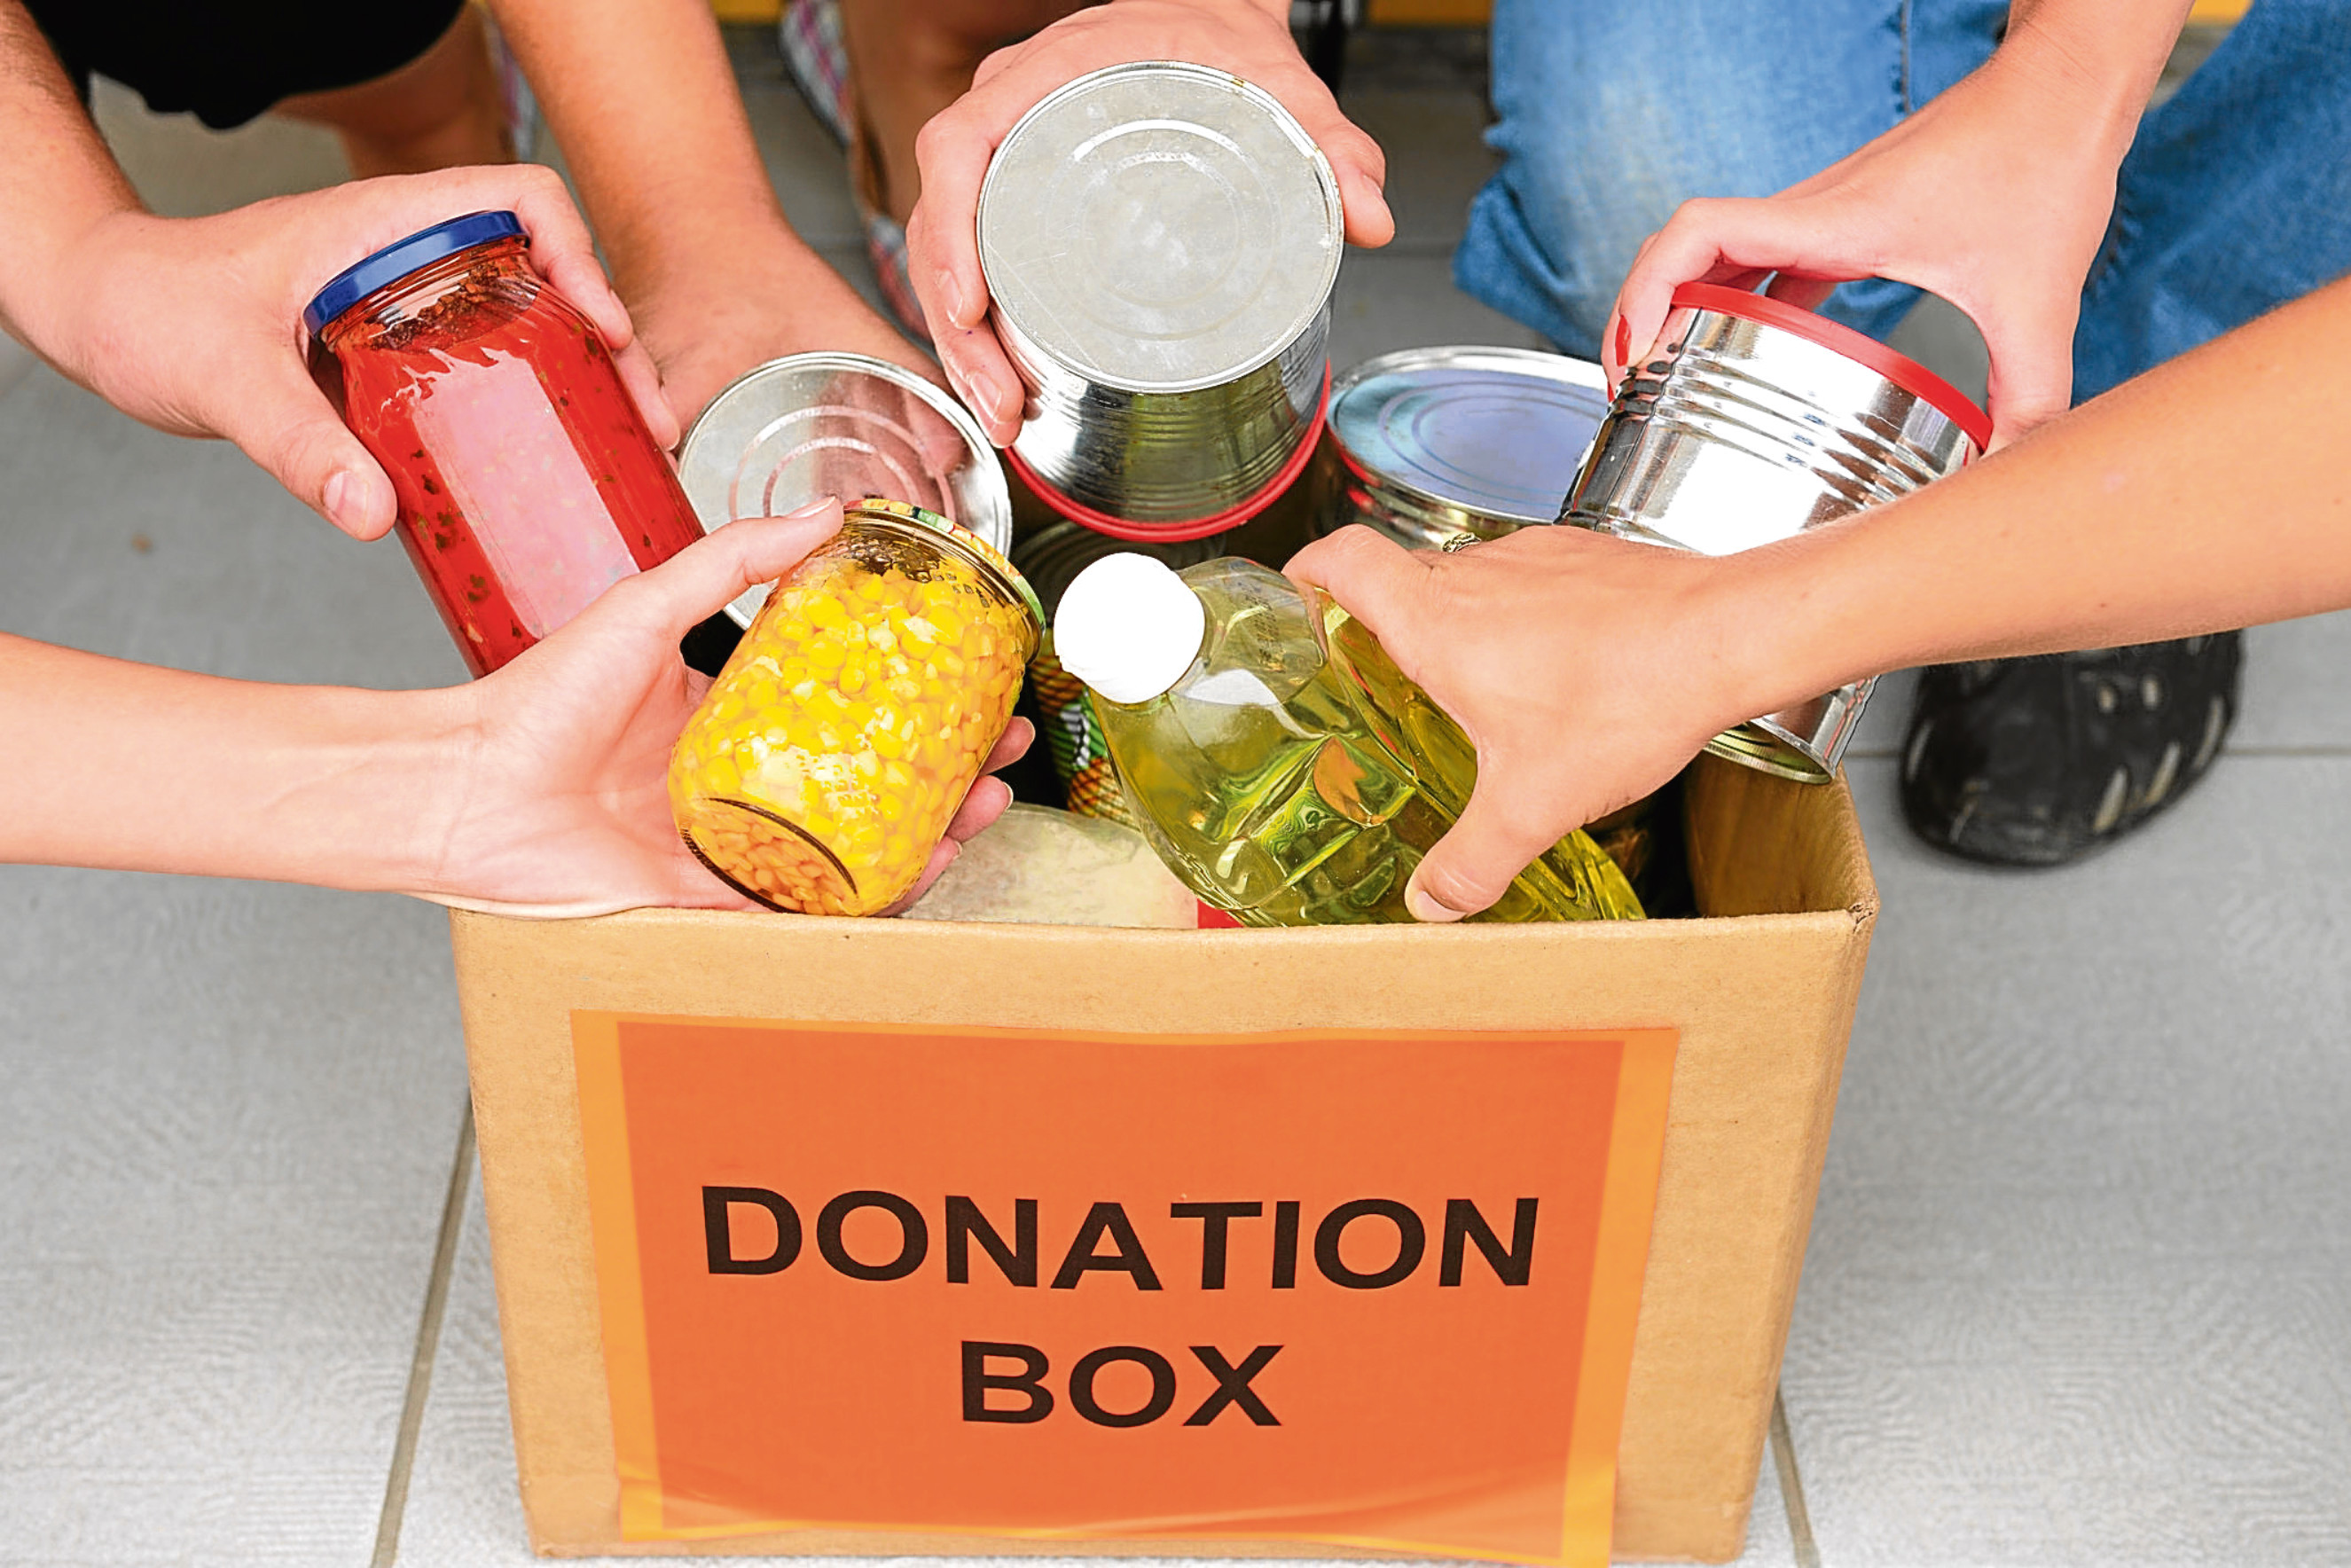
pixel 985 556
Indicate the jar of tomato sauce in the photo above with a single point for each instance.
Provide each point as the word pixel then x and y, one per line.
pixel 827 759
pixel 527 480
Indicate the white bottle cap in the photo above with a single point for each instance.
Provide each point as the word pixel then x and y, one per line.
pixel 1128 627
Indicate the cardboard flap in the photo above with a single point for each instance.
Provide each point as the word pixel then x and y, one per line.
pixel 1761 845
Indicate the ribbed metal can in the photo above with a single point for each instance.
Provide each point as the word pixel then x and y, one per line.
pixel 806 426
pixel 1159 242
pixel 1431 443
pixel 1752 420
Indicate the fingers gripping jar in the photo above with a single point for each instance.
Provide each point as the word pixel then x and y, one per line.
pixel 527 480
pixel 830 755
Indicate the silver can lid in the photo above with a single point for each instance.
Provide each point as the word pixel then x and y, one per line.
pixel 1159 227
pixel 801 428
pixel 1499 433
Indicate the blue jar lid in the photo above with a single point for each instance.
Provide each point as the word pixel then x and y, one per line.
pixel 397 259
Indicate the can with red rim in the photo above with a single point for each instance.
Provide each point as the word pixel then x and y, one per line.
pixel 1159 241
pixel 1751 421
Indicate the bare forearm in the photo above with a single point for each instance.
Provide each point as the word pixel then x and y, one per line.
pixel 642 98
pixel 2200 497
pixel 2107 55
pixel 1278 9
pixel 128 767
pixel 57 180
pixel 643 101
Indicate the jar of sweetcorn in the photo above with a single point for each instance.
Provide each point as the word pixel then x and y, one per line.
pixel 831 753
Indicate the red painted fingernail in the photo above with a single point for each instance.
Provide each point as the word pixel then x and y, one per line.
pixel 1624 339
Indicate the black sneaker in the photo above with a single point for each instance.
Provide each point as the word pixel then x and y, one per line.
pixel 2035 761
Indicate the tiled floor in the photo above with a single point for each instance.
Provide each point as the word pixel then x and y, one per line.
pixel 2080 1286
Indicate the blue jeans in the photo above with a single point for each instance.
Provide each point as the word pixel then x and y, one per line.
pixel 2235 197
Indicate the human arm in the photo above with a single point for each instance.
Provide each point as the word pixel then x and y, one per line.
pixel 1588 670
pixel 642 100
pixel 1994 194
pixel 191 325
pixel 1249 37
pixel 540 790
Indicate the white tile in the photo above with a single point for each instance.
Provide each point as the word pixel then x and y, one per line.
pixel 17 362
pixel 463 1508
pixel 180 169
pixel 2297 691
pixel 1768 1543
pixel 1886 718
pixel 2080 1285
pixel 236 576
pixel 230 1109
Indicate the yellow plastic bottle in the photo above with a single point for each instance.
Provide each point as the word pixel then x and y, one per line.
pixel 1275 755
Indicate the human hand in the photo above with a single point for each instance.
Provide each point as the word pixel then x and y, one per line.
pixel 754 303
pixel 1994 196
pixel 193 324
pixel 1249 38
pixel 560 802
pixel 1586 671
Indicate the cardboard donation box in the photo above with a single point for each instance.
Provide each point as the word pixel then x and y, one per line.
pixel 826 1237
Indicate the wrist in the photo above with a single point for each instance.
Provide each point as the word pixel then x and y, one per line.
pixel 2054 55
pixel 47 307
pixel 395 790
pixel 722 228
pixel 766 275
pixel 1780 625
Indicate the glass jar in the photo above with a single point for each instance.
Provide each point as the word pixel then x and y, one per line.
pixel 527 480
pixel 829 756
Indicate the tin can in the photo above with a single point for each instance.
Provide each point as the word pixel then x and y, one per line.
pixel 1160 242
pixel 806 426
pixel 527 479
pixel 1753 421
pixel 1430 444
pixel 828 757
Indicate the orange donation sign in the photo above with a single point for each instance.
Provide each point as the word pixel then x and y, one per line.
pixel 1368 1289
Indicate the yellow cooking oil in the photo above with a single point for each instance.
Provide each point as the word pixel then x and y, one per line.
pixel 1292 775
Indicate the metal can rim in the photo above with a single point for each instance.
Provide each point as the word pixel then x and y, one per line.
pixel 1536 363
pixel 1283 120
pixel 989 470
pixel 938 399
pixel 1903 372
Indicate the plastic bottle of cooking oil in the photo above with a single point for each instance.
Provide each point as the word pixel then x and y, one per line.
pixel 1276 758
